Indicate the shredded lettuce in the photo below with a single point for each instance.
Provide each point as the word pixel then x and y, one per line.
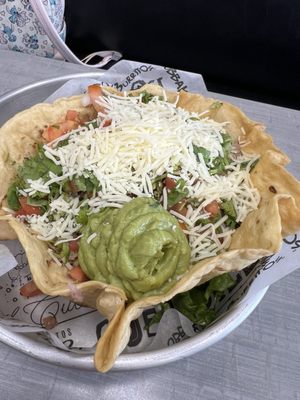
pixel 218 285
pixel 196 304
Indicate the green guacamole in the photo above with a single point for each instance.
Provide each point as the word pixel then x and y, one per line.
pixel 139 248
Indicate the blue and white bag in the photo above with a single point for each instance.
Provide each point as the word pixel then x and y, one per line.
pixel 38 27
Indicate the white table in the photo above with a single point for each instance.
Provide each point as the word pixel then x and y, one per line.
pixel 259 360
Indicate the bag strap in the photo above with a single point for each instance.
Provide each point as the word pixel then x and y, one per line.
pixel 61 46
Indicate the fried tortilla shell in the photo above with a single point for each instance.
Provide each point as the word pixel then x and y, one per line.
pixel 20 135
pixel 53 279
pixel 259 235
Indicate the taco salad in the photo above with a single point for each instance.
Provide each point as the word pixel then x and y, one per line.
pixel 127 200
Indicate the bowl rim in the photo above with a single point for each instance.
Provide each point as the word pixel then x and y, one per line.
pixel 217 331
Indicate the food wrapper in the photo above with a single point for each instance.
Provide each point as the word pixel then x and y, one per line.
pixel 77 329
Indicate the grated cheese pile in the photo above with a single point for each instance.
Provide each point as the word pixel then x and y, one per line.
pixel 143 142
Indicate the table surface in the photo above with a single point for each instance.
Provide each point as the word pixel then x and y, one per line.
pixel 259 360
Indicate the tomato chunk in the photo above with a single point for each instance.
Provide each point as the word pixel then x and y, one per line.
pixel 73 188
pixel 27 209
pixel 107 122
pixel 77 274
pixel 30 290
pixel 182 225
pixel 53 132
pixel 74 246
pixel 180 208
pixel 95 91
pixel 170 183
pixel 212 208
pixel 72 115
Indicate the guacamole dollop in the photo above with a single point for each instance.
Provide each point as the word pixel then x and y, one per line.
pixel 139 248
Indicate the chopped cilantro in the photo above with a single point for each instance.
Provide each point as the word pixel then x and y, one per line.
pixel 79 181
pixel 219 163
pixel 211 220
pixel 146 97
pixel 62 143
pixel 37 202
pixel 82 217
pixel 178 193
pixel 64 251
pixel 38 166
pixel 228 208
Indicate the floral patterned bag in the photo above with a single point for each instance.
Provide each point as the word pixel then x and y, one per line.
pixel 38 27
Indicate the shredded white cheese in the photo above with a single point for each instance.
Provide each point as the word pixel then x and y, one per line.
pixel 143 142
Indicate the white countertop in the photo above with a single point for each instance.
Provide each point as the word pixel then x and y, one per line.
pixel 259 360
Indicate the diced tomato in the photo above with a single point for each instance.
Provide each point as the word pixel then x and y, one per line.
pixel 27 209
pixel 107 122
pixel 170 183
pixel 74 246
pixel 180 208
pixel 77 274
pixel 68 125
pixel 95 91
pixel 30 290
pixel 72 115
pixel 53 132
pixel 212 208
pixel 182 225
pixel 20 213
pixel 73 187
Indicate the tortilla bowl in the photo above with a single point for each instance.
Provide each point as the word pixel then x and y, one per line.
pixel 259 235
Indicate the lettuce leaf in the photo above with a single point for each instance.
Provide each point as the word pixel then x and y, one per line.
pixel 201 150
pixel 12 197
pixel 195 304
pixel 229 210
pixel 38 166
